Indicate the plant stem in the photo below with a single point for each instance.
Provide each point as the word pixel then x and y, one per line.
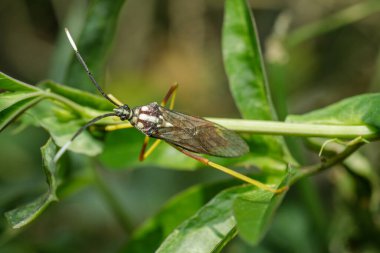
pixel 346 16
pixel 65 101
pixel 258 126
pixel 296 129
pixel 313 169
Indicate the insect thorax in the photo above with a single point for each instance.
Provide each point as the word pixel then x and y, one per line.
pixel 147 118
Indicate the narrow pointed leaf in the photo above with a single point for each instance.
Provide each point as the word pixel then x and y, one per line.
pixel 8 99
pixel 23 215
pixel 246 73
pixel 248 83
pixel 253 211
pixel 243 62
pixel 94 42
pixel 16 97
pixel 10 84
pixel 210 227
pixel 11 113
pixel 178 209
pixel 357 110
pixel 217 222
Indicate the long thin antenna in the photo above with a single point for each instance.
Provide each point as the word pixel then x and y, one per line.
pixel 83 63
pixel 67 144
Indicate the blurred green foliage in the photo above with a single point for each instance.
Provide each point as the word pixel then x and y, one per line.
pixel 315 52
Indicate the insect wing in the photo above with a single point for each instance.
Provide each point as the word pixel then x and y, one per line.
pixel 199 135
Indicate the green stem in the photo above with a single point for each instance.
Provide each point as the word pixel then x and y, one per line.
pixel 313 169
pixel 65 101
pixel 344 17
pixel 296 129
pixel 258 126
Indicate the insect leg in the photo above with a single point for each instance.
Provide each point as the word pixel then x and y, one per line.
pixel 115 100
pixel 144 154
pixel 118 126
pixel 171 93
pixel 143 148
pixel 231 172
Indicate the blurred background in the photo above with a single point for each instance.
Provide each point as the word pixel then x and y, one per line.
pixel 161 42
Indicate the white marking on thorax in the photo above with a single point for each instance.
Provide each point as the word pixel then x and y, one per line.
pixel 140 125
pixel 148 118
pixel 145 108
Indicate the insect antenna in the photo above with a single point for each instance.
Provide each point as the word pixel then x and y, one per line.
pixel 84 65
pixel 67 144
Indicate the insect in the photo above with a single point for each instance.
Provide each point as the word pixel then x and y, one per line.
pixel 188 134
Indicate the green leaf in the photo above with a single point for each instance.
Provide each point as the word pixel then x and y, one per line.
pixel 16 98
pixel 243 62
pixel 357 110
pixel 94 42
pixel 248 83
pixel 8 99
pixel 10 84
pixel 246 74
pixel 214 224
pixel 9 114
pixel 48 116
pixel 57 120
pixel 23 215
pixel 149 236
pixel 209 228
pixel 253 211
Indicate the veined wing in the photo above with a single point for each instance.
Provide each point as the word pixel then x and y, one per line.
pixel 199 135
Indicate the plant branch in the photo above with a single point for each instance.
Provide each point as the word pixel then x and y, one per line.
pixel 344 17
pixel 256 126
pixel 324 165
pixel 65 101
pixel 297 129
